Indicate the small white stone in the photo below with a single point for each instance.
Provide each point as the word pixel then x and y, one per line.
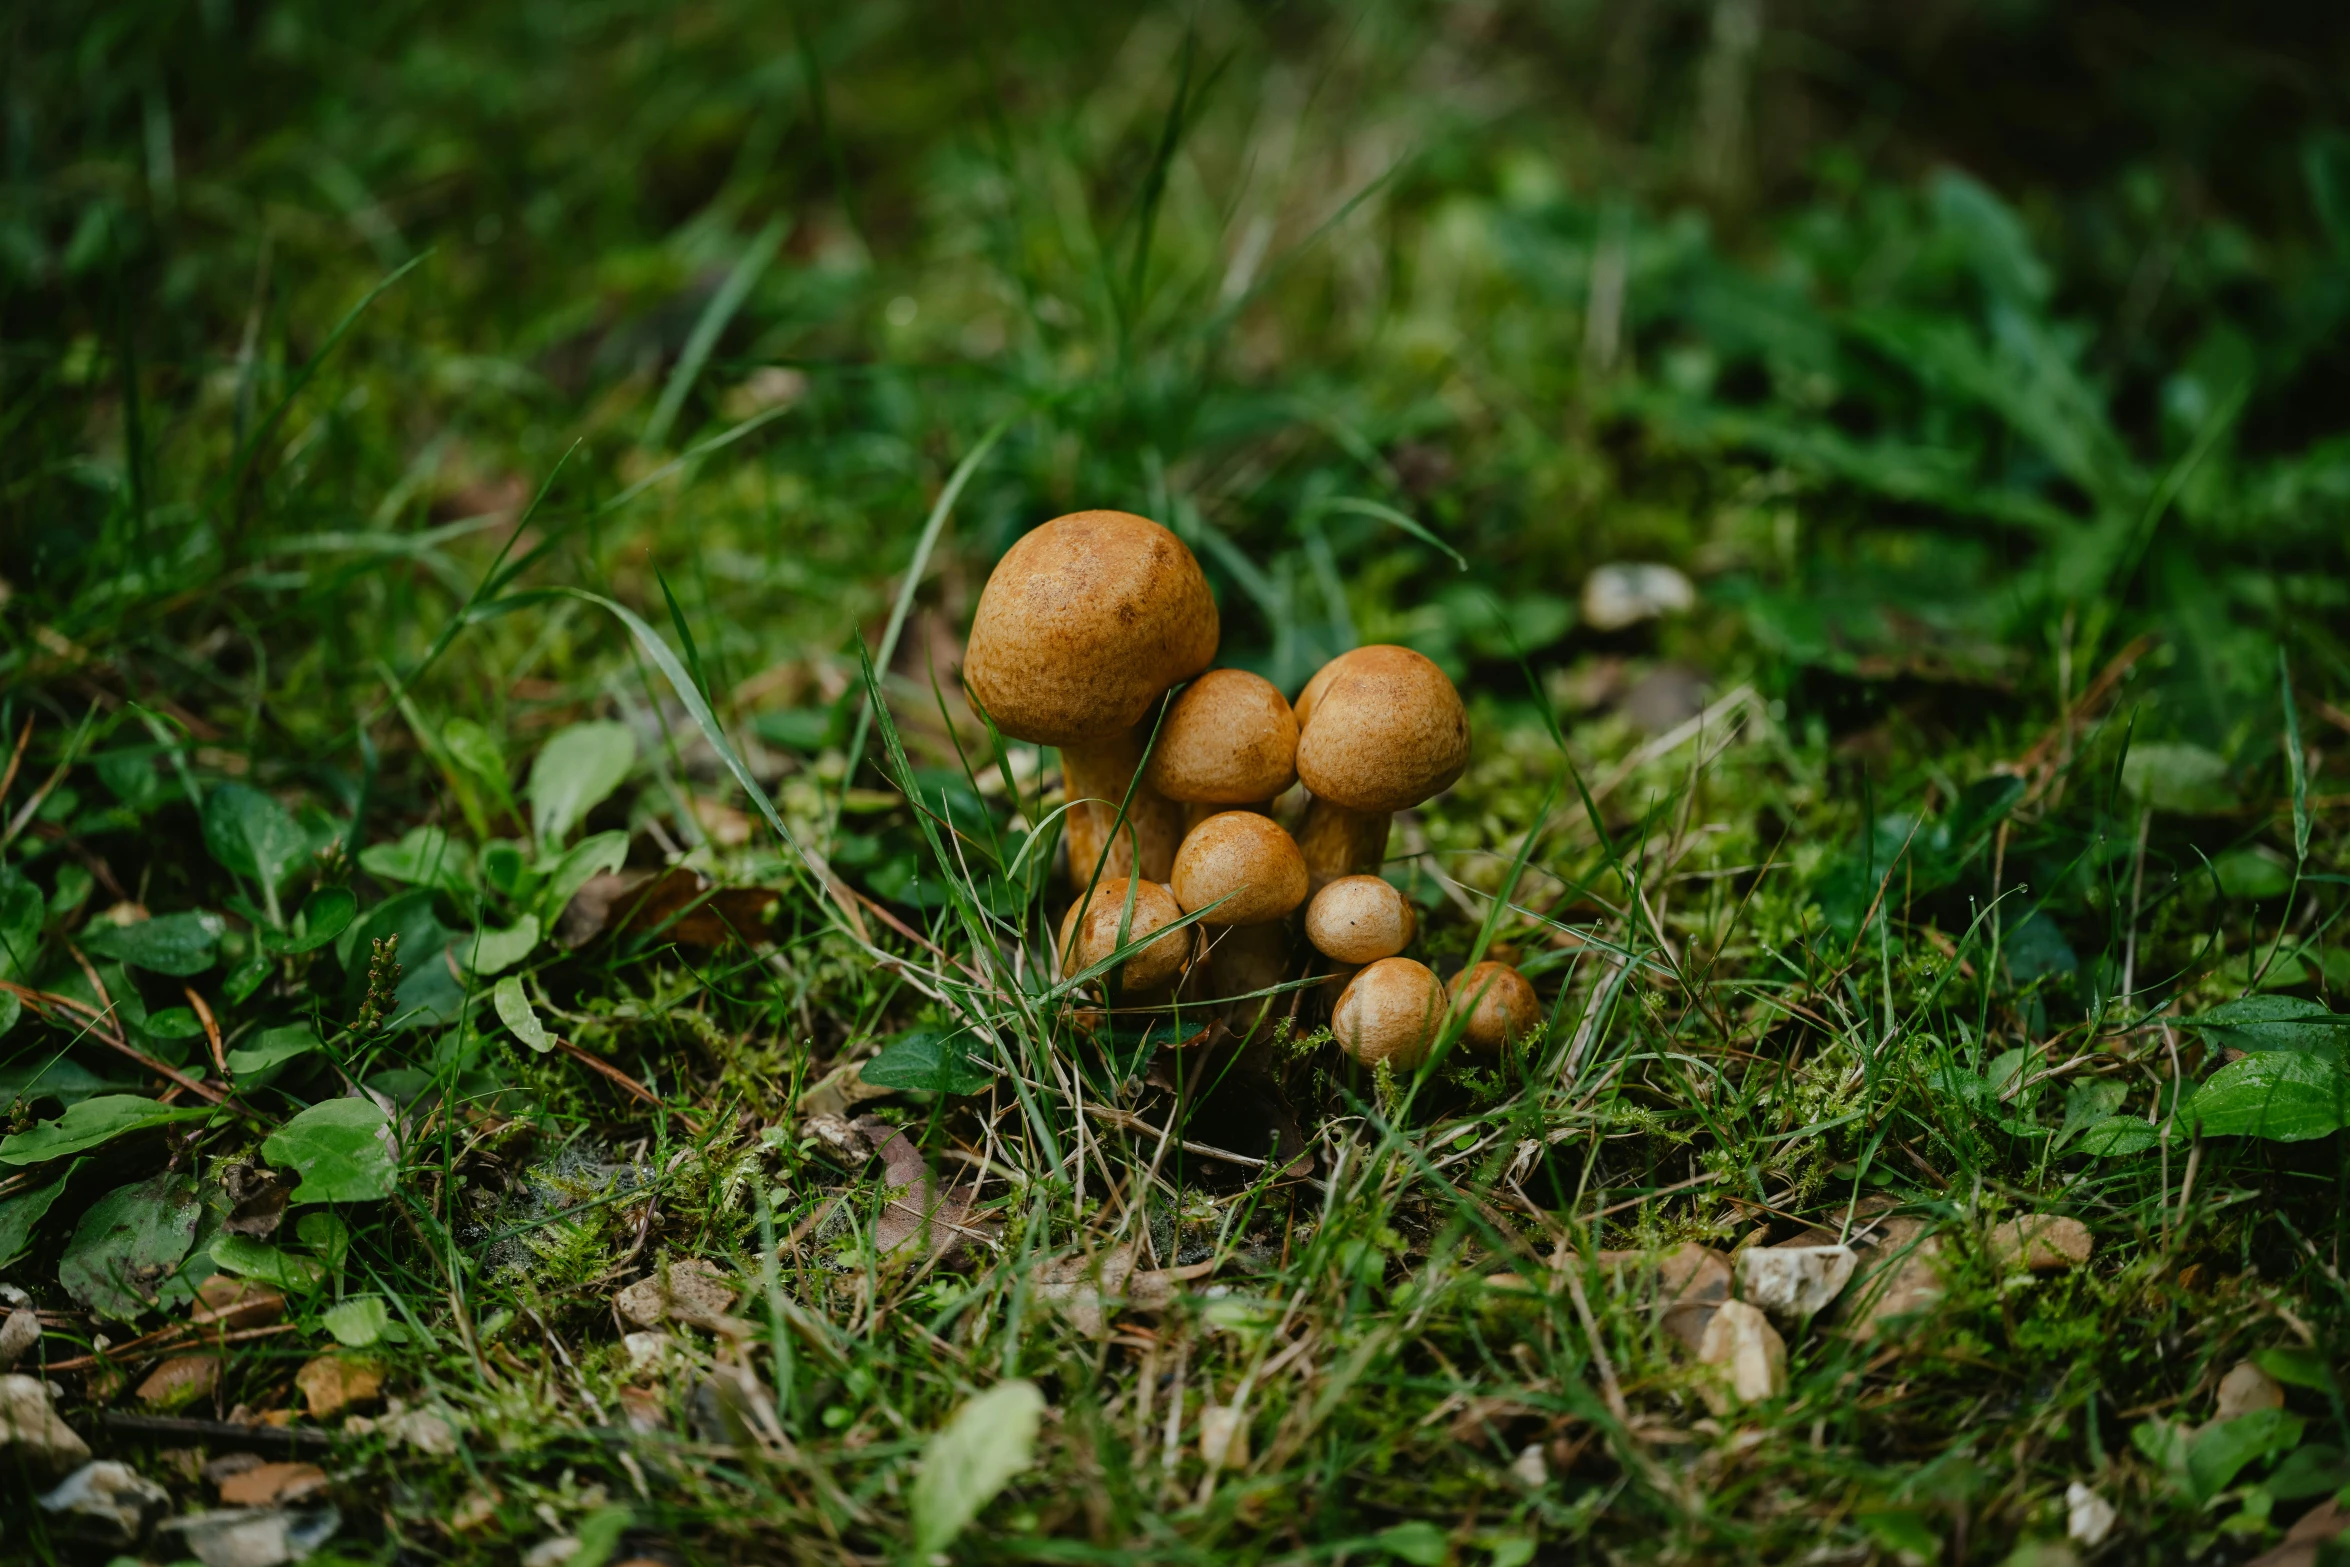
pixel 1741 1343
pixel 1223 1436
pixel 1530 1467
pixel 2088 1517
pixel 644 1350
pixel 548 1553
pixel 1794 1282
pixel 1624 593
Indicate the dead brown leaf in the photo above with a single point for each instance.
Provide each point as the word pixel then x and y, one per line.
pixel 257 1199
pixel 229 1304
pixel 180 1380
pixel 332 1384
pixel 678 904
pixel 691 1291
pixel 265 1485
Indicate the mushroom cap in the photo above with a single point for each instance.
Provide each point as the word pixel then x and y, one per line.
pixel 1303 707
pixel 1247 856
pixel 1390 1012
pixel 1229 739
pixel 1084 623
pixel 1155 965
pixel 1383 733
pixel 1498 1003
pixel 1360 919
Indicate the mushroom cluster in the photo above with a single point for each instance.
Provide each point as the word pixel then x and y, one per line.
pixel 1191 803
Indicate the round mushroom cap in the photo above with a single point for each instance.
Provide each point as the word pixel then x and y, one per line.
pixel 1360 919
pixel 1086 622
pixel 1229 739
pixel 1303 708
pixel 1243 855
pixel 1390 1012
pixel 1156 965
pixel 1498 1004
pixel 1386 732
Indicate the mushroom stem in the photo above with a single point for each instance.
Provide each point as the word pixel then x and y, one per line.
pixel 1337 841
pixel 1247 958
pixel 1096 774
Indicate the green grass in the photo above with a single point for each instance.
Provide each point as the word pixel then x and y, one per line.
pixel 386 396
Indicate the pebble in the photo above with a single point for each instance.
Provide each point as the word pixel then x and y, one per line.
pixel 108 1501
pixel 1793 1283
pixel 1741 1343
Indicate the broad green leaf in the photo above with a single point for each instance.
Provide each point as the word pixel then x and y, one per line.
pixel 98 1119
pixel 2174 776
pixel 2297 1367
pixel 575 772
pixel 11 1009
pixel 2085 1104
pixel 423 857
pixel 176 944
pixel 491 951
pixel 271 1049
pixel 251 1259
pixel 2117 1135
pixel 22 910
pixel 599 1535
pixel 506 867
pixel 343 1149
pixel 2309 1470
pixel 359 1321
pixel 2222 1450
pixel 476 750
pixel 2283 1096
pixel 252 835
pixel 971 1458
pixel 2247 873
pixel 20 1213
pixel 514 1010
pixel 1419 1542
pixel 324 915
pixel 175 1023
pixel 35 1077
pixel 932 1061
pixel 2258 1023
pixel 128 1245
pixel 600 855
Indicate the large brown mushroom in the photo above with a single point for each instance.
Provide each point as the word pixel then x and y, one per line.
pixel 1082 627
pixel 1228 740
pixel 1360 919
pixel 1089 933
pixel 1248 874
pixel 1390 1013
pixel 1497 1006
pixel 1380 729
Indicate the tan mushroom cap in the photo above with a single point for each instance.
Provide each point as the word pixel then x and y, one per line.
pixel 1303 707
pixel 1383 733
pixel 1244 858
pixel 1360 919
pixel 1229 739
pixel 1084 623
pixel 1499 1006
pixel 1155 965
pixel 1390 1012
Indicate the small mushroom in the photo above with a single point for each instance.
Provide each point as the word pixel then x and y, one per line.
pixel 1497 1006
pixel 1249 863
pixel 1360 919
pixel 1153 967
pixel 1082 627
pixel 1228 740
pixel 1390 1012
pixel 1380 729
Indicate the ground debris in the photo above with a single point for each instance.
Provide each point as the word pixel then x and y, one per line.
pixel 18 1334
pixel 921 1217
pixel 331 1384
pixel 2042 1243
pixel 231 1304
pixel 1091 1289
pixel 180 1380
pixel 1740 1343
pixel 2244 1389
pixel 2306 1541
pixel 255 1537
pixel 1691 1281
pixel 267 1484
pixel 691 1291
pixel 108 1502
pixel 29 1423
pixel 2088 1517
pixel 1794 1283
